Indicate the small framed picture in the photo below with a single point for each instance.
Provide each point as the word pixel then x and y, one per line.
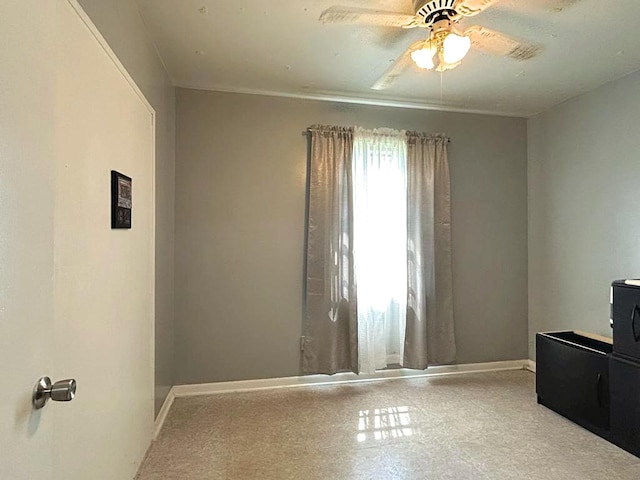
pixel 120 200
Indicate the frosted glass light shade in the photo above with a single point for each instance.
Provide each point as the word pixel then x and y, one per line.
pixel 424 57
pixel 455 48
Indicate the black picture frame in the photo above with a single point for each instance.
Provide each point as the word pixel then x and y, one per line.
pixel 121 200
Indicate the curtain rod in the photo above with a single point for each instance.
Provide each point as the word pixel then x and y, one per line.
pixel 306 133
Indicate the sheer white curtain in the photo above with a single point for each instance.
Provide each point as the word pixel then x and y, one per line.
pixel 380 245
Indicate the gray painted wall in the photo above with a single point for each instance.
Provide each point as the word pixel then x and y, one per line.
pixel 240 206
pixel 584 220
pixel 121 25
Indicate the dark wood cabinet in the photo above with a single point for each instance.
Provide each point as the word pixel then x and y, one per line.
pixel 593 380
pixel 572 377
pixel 625 403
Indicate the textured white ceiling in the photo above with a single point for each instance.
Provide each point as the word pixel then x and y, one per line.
pixel 279 47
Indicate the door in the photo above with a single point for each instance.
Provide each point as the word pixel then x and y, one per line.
pixel 26 233
pixel 77 296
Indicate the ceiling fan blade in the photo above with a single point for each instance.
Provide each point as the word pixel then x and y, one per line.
pixel 469 8
pixel 396 69
pixel 496 43
pixel 366 16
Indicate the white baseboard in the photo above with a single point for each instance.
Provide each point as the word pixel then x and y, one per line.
pixel 162 414
pixel 531 366
pixel 306 380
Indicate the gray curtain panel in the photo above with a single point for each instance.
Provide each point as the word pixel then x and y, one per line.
pixel 429 337
pixel 330 324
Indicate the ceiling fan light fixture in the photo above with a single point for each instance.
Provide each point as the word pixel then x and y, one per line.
pixel 423 57
pixel 455 48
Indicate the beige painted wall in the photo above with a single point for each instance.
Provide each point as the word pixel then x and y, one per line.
pixel 103 278
pixel 240 206
pixel 119 21
pixel 584 221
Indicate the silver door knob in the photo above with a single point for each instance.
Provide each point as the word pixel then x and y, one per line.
pixel 62 391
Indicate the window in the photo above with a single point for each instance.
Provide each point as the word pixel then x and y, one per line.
pixel 380 245
pixel 378 259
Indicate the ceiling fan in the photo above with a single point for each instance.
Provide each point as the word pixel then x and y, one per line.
pixel 446 44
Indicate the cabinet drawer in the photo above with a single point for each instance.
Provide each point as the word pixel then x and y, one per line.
pixel 625 313
pixel 572 378
pixel 625 403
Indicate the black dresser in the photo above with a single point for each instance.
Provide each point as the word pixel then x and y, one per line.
pixel 593 380
pixel 624 365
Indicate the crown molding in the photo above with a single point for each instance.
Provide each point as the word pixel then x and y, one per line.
pixel 348 98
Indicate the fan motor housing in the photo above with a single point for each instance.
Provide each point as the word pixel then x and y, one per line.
pixel 435 11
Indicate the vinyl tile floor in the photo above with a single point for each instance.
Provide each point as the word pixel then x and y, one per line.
pixel 472 426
